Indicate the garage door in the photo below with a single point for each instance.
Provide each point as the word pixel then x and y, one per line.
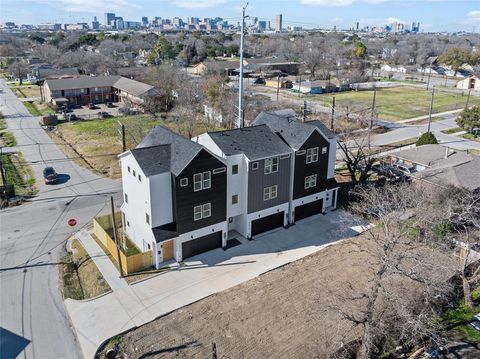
pixel 201 244
pixel 309 209
pixel 267 223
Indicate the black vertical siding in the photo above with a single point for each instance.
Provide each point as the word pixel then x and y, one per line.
pixel 302 169
pixel 186 199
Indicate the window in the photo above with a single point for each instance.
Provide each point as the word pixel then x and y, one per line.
pixel 312 155
pixel 324 150
pixel 183 182
pixel 197 213
pixel 128 168
pixel 270 193
pixel 255 166
pixel 201 181
pixel 219 170
pixel 207 210
pixel 310 181
pixel 134 174
pixel 271 165
pixel 234 169
pixel 197 182
pixel 202 211
pixel 126 198
pixel 299 153
pixel 140 178
pixel 147 218
pixel 128 224
pixel 284 157
pixel 235 199
pixel 206 180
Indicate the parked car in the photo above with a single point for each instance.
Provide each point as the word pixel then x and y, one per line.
pixel 408 170
pixel 91 106
pixel 49 175
pixel 110 105
pixel 70 117
pixel 259 81
pixel 475 323
pixel 104 115
pixel 128 110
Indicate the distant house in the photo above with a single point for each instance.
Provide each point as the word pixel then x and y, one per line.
pixel 318 86
pixel 101 89
pixel 472 82
pixel 282 82
pixel 390 68
pixel 441 166
pixel 227 68
pixel 43 73
pixel 271 64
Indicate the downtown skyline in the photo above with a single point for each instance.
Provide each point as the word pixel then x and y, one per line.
pixel 434 15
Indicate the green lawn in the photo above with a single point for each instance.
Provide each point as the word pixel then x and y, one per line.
pixel 456 320
pixel 471 136
pixel 452 130
pixel 18 173
pixel 8 139
pixel 395 103
pixel 38 109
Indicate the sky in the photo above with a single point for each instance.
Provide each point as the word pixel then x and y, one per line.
pixel 434 15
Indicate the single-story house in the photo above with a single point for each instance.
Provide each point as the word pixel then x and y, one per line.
pixel 317 86
pixel 282 82
pixel 100 89
pixel 440 165
pixel 471 82
pixel 271 64
pixel 391 68
pixel 228 68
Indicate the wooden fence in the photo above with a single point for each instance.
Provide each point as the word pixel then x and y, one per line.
pixel 131 264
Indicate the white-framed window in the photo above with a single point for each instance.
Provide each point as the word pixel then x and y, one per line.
pixel 207 210
pixel 255 166
pixel 324 150
pixel 207 180
pixel 202 181
pixel 312 155
pixel 284 156
pixel 128 169
pixel 147 218
pixel 128 224
pixel 197 213
pixel 197 182
pixel 134 173
pixel 219 170
pixel 183 182
pixel 234 169
pixel 126 198
pixel 270 192
pixel 235 199
pixel 310 181
pixel 202 211
pixel 140 178
pixel 271 165
pixel 299 153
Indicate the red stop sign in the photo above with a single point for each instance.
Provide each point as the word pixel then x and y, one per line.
pixel 72 222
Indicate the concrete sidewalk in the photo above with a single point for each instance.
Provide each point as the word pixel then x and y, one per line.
pixel 130 306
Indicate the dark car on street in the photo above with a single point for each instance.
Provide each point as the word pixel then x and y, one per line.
pixel 49 175
pixel 104 115
pixel 91 106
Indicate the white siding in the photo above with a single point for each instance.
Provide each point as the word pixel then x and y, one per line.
pixel 206 140
pixel 332 156
pixel 161 199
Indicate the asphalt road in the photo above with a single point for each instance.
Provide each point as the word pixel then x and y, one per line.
pixel 33 320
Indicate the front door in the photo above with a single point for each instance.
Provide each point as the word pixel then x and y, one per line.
pixel 167 249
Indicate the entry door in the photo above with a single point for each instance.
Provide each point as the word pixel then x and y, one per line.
pixel 167 249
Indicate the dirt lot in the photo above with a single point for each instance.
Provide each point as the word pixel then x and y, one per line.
pixel 282 314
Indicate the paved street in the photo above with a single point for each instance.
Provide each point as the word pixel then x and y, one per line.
pixel 33 320
pixel 205 274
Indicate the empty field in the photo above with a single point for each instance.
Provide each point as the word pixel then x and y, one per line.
pixel 396 103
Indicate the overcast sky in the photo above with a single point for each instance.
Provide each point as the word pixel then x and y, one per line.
pixel 434 15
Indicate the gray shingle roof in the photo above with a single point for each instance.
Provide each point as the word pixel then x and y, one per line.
pixel 255 142
pixel 133 87
pixel 295 133
pixel 153 160
pixel 432 156
pixel 182 150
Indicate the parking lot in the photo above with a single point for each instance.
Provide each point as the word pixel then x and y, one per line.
pixel 90 114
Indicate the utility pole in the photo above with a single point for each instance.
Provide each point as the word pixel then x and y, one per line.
pixel 240 83
pixel 300 86
pixel 214 350
pixel 429 74
pixel 373 108
pixel 468 97
pixel 116 237
pixel 304 111
pixel 332 119
pixel 122 133
pixel 278 85
pixel 4 180
pixel 431 108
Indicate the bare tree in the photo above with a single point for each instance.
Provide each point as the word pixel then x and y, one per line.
pixel 19 70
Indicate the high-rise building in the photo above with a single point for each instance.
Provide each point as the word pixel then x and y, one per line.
pixel 109 19
pixel 118 23
pixel 177 22
pixel 278 23
pixel 357 27
pixel 144 21
pixel 95 23
pixel 262 25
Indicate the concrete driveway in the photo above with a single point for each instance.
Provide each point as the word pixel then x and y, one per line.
pixel 130 306
pixel 34 323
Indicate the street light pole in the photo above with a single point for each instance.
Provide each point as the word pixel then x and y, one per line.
pixel 431 108
pixel 240 84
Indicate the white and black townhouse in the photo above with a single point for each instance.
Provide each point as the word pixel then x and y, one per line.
pixel 174 196
pixel 182 197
